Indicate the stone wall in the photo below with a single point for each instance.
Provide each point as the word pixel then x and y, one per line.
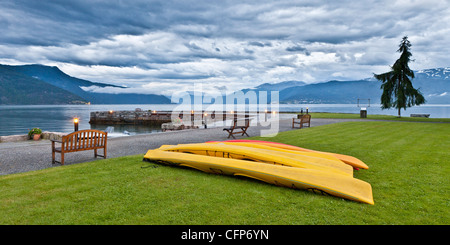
pixel 22 137
pixel 13 138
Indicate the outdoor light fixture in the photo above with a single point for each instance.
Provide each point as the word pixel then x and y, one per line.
pixel 110 111
pixel 75 123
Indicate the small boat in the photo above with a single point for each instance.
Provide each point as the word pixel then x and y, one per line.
pixel 318 181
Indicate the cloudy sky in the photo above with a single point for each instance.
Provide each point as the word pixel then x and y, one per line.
pixel 165 46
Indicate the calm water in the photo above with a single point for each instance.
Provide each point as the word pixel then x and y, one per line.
pixel 58 118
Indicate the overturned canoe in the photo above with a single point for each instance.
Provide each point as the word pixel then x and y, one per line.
pixel 310 160
pixel 269 147
pixel 318 181
pixel 352 161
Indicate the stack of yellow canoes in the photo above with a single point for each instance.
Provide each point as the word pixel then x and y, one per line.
pixel 275 163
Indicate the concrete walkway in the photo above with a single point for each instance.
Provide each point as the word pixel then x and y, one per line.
pixel 24 156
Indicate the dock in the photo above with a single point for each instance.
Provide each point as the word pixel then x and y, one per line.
pixel 138 117
pixel 149 117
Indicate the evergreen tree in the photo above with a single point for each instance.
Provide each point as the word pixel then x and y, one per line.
pixel 398 91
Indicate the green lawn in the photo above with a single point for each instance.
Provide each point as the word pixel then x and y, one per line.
pixel 409 173
pixel 376 117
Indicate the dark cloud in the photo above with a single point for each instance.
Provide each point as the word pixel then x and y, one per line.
pixel 177 76
pixel 236 41
pixel 78 22
pixel 295 49
pixel 260 44
pixel 83 21
pixel 298 48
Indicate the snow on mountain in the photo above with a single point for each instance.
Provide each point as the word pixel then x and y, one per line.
pixel 442 73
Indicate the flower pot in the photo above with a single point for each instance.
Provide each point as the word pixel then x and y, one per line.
pixel 36 136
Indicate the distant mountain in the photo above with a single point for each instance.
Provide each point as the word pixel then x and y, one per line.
pixel 278 86
pixel 54 76
pixel 266 87
pixel 332 92
pixel 437 73
pixel 433 83
pixel 39 84
pixel 269 87
pixel 19 89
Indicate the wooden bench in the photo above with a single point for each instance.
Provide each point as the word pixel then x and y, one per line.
pixel 239 127
pixel 302 121
pixel 82 140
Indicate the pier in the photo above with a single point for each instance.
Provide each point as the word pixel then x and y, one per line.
pixel 140 117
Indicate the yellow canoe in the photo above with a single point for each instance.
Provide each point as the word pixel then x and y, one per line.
pixel 350 160
pixel 297 159
pixel 318 181
pixel 269 147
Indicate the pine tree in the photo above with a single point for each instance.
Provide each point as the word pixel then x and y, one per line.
pixel 398 91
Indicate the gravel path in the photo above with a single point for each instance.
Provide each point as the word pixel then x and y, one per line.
pixel 17 157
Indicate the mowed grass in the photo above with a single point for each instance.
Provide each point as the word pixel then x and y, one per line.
pixel 376 117
pixel 409 173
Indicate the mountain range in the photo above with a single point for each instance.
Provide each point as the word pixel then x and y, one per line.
pixel 39 84
pixel 64 89
pixel 433 83
pixel 19 89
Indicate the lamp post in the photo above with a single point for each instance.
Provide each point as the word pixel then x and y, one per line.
pixel 75 123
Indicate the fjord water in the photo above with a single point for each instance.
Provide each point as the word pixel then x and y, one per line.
pixel 19 119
